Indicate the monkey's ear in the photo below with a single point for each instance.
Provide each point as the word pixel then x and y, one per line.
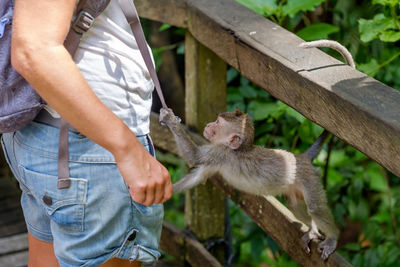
pixel 234 141
pixel 238 112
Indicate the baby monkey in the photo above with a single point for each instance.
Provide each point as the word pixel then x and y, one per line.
pixel 257 170
pixel 261 171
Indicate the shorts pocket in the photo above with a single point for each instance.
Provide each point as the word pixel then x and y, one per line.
pixel 65 207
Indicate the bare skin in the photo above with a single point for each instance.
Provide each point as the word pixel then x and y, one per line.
pixel 40 48
pixel 48 259
pixel 257 170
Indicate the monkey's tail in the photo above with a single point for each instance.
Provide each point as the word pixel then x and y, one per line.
pixel 333 45
pixel 314 149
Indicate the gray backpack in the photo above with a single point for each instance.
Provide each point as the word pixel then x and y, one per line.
pixel 19 102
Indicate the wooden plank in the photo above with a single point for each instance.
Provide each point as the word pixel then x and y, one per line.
pixel 11 216
pixel 13 228
pixel 17 259
pixel 13 243
pixel 181 245
pixel 281 225
pixel 168 11
pixel 268 213
pixel 358 109
pixel 205 78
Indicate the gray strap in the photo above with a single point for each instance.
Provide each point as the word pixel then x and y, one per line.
pixel 86 12
pixel 131 15
pixel 63 155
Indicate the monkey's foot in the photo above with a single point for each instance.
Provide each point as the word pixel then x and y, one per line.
pixel 326 247
pixel 306 239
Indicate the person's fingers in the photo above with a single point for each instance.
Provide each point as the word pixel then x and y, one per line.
pixel 159 190
pixel 150 194
pixel 167 191
pixel 138 195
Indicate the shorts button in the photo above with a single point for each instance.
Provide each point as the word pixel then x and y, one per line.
pixel 132 236
pixel 47 200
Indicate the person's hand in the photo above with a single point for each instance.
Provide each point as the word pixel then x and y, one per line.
pixel 148 180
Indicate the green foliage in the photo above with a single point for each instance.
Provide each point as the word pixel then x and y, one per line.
pixel 317 31
pixel 384 28
pixel 364 198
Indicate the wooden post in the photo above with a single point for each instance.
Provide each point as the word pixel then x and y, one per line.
pixel 205 97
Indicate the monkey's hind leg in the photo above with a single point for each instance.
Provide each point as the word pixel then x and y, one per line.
pixel 321 216
pixel 298 207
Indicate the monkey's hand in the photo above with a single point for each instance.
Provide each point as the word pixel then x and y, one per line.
pixel 168 117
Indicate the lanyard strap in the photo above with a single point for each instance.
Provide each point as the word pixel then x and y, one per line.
pixel 132 17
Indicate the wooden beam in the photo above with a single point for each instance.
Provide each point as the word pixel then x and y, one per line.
pixel 358 109
pixel 281 225
pixel 205 82
pixel 183 246
pixel 14 250
pixel 275 219
pixel 167 11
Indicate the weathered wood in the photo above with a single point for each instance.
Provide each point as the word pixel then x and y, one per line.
pixel 281 225
pixel 13 243
pixel 205 78
pixel 358 109
pixel 167 11
pixel 17 259
pixel 13 228
pixel 268 213
pixel 182 246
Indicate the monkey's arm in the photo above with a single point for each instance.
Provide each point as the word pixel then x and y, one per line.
pixel 195 177
pixel 187 148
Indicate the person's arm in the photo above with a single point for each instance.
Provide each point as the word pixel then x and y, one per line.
pixel 38 54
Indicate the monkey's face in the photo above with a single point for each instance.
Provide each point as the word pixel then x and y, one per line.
pixel 222 132
pixel 215 131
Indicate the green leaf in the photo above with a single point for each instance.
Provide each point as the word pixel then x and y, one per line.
pixel 358 210
pixel 294 6
pixel 317 31
pixel 371 68
pixel 262 110
pixel 292 112
pixel 377 181
pixel 260 6
pixel 338 158
pixel 234 97
pixel 390 36
pixel 352 247
pixel 248 91
pixel 231 74
pixel 181 49
pixel 164 27
pixel 385 2
pixel 371 29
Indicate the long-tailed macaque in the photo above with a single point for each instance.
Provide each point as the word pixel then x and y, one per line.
pixel 260 171
pixel 257 170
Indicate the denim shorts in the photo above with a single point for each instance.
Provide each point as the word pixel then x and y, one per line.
pixel 94 219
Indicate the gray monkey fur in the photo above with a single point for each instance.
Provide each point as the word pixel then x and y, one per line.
pixel 262 171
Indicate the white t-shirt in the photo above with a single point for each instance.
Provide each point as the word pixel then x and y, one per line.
pixel 110 61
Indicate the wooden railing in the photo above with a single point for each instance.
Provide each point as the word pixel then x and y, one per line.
pixel 356 108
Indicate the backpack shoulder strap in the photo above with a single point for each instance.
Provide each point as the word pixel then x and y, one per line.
pixel 85 13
